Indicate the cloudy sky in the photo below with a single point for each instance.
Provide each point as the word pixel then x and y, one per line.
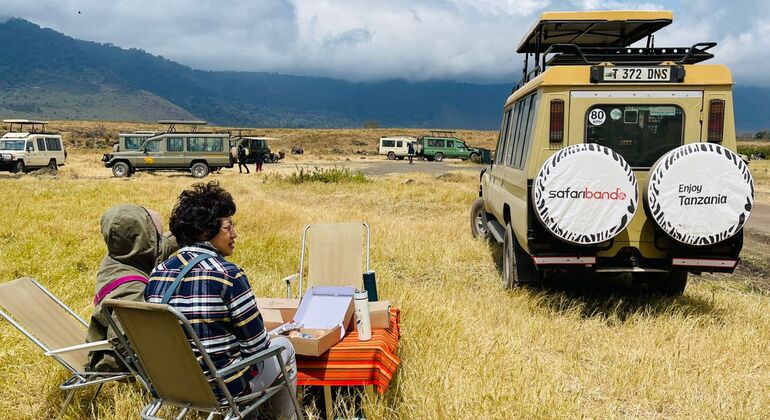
pixel 464 40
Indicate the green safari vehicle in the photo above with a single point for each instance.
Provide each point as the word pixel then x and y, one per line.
pixel 443 144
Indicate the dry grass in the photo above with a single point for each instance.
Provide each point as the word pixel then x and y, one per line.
pixel 469 349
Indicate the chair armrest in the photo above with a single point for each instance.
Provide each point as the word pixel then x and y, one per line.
pixel 96 345
pixel 248 361
pixel 288 280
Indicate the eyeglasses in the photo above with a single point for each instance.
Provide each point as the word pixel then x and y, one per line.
pixel 229 228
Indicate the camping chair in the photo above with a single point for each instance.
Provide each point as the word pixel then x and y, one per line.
pixel 334 256
pixel 58 330
pixel 154 334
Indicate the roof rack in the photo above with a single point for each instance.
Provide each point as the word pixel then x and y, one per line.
pixel 172 124
pixel 571 54
pixel 442 133
pixel 23 122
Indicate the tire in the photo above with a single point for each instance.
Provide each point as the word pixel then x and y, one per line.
pixel 121 170
pixel 391 156
pixel 199 169
pixel 52 166
pixel 474 157
pixel 518 268
pixel 665 284
pixel 479 228
pixel 19 167
pixel 438 157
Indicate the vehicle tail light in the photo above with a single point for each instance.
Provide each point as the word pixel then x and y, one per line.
pixel 557 121
pixel 716 120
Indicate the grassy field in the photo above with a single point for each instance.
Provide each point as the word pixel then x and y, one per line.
pixel 469 348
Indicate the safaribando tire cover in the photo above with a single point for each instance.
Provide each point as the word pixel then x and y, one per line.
pixel 700 193
pixel 585 194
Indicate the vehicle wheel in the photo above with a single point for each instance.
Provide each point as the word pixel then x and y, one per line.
pixel 438 157
pixel 400 158
pixel 518 268
pixel 121 169
pixel 52 166
pixel 19 167
pixel 475 158
pixel 664 284
pixel 479 228
pixel 391 156
pixel 199 170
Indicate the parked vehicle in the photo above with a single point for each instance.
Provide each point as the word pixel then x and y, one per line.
pixel 443 144
pixel 197 152
pixel 395 147
pixel 598 130
pixel 257 146
pixel 23 150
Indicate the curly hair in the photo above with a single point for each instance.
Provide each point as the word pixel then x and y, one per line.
pixel 196 216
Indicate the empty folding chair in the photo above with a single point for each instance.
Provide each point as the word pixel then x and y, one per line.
pixel 58 330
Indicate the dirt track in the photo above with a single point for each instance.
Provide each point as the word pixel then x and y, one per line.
pixel 760 219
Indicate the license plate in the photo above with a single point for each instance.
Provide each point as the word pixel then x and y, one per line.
pixel 636 74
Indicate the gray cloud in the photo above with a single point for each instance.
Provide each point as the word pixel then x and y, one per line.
pixel 367 39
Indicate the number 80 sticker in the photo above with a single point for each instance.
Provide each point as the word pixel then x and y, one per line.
pixel 597 117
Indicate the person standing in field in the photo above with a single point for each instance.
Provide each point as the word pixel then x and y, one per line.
pixel 135 244
pixel 259 158
pixel 410 152
pixel 242 159
pixel 216 296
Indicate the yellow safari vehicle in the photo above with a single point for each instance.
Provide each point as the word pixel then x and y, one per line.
pixel 615 158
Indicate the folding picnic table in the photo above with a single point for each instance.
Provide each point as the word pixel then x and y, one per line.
pixel 354 363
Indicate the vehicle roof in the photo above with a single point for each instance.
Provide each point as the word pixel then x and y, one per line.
pixel 259 138
pixel 24 121
pixel 579 76
pixel 610 28
pixel 16 135
pixel 141 133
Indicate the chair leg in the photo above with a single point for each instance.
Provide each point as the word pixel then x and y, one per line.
pixel 292 393
pixel 96 394
pixel 328 402
pixel 67 401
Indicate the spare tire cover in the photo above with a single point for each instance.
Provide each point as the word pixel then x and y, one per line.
pixel 700 193
pixel 585 194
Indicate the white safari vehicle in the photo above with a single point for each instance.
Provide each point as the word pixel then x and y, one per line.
pixel 395 147
pixel 29 148
pixel 615 158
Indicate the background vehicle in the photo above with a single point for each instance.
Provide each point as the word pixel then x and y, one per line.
pixel 443 144
pixel 23 150
pixel 191 151
pixel 648 110
pixel 395 147
pixel 257 146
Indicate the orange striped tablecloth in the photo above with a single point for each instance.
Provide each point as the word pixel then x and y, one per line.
pixel 355 363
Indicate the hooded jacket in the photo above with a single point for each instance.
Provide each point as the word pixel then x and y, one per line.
pixel 134 248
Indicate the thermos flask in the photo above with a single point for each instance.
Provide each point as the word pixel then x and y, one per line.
pixel 370 284
pixel 363 323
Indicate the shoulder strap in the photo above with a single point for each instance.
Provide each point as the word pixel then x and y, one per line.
pixel 186 269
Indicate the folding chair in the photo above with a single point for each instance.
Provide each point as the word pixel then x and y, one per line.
pixel 334 255
pixel 58 330
pixel 154 334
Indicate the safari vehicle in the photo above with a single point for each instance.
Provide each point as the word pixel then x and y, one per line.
pixel 395 147
pixel 257 146
pixel 613 158
pixel 443 144
pixel 192 151
pixel 23 150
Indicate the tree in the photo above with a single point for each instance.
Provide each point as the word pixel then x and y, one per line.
pixel 371 124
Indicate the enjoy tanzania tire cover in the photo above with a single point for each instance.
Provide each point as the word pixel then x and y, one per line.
pixel 700 193
pixel 585 194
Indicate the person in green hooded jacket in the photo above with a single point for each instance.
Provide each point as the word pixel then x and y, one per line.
pixel 135 245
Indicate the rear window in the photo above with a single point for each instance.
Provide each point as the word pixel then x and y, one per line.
pixel 640 133
pixel 52 144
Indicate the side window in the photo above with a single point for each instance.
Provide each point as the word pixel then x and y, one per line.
pixel 52 143
pixel 387 143
pixel 29 145
pixel 153 146
pixel 196 144
pixel 215 144
pixel 41 145
pixel 133 143
pixel 528 134
pixel 399 144
pixel 450 143
pixel 512 134
pixel 521 132
pixel 500 151
pixel 175 144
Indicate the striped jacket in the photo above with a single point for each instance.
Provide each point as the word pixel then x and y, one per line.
pixel 216 298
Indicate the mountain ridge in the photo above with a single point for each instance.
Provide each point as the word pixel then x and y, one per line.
pixel 51 75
